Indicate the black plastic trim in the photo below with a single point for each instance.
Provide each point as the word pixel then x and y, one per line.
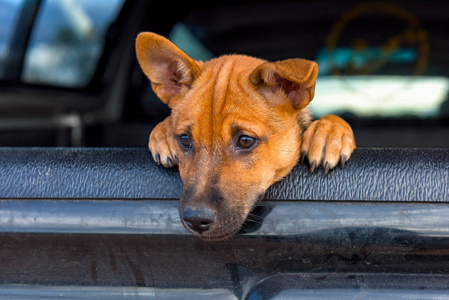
pixel 419 175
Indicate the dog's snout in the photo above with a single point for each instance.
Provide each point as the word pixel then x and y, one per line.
pixel 199 220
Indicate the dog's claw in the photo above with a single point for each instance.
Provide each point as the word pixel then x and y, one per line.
pixel 313 166
pixel 342 160
pixel 176 160
pixel 169 162
pixel 326 168
pixel 302 157
pixel 158 158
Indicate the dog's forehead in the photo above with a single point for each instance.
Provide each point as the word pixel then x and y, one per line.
pixel 222 94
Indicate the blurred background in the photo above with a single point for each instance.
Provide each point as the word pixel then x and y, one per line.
pixel 69 76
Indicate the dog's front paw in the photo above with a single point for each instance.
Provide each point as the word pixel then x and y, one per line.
pixel 328 141
pixel 162 144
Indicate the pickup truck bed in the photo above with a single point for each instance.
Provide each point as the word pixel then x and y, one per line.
pixel 104 224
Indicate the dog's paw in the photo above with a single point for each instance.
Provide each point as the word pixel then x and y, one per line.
pixel 327 142
pixel 163 145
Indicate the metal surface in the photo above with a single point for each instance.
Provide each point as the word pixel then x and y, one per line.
pixel 270 218
pixel 287 249
pixel 109 293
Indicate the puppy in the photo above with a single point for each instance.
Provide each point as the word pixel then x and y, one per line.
pixel 238 124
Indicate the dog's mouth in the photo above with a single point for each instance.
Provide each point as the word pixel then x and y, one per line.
pixel 212 235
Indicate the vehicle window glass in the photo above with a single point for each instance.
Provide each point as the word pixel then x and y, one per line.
pixel 9 11
pixel 391 68
pixel 67 41
pixel 181 36
pixel 381 60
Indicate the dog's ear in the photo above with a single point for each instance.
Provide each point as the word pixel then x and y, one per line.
pixel 170 70
pixel 293 79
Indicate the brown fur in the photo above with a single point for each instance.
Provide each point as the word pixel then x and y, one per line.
pixel 218 101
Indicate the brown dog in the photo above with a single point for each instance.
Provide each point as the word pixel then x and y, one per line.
pixel 238 124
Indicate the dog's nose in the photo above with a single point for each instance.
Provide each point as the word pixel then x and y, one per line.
pixel 199 220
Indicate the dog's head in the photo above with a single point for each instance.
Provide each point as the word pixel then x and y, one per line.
pixel 238 121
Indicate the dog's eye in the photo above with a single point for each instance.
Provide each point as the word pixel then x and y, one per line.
pixel 185 141
pixel 245 142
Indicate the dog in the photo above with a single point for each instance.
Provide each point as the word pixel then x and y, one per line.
pixel 238 124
